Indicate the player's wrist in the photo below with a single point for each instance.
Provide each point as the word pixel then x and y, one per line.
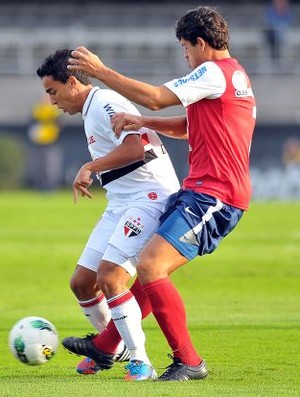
pixel 90 166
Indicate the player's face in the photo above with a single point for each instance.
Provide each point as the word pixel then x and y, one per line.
pixel 193 53
pixel 62 95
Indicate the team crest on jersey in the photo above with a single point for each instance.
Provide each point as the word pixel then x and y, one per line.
pixel 133 227
pixel 152 195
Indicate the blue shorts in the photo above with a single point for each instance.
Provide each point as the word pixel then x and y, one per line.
pixel 195 223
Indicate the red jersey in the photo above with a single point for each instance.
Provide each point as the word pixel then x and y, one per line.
pixel 221 114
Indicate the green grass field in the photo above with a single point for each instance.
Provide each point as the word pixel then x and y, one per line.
pixel 243 302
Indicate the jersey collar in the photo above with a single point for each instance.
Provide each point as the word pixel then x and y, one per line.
pixel 88 101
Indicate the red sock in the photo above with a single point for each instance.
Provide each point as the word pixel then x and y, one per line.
pixel 141 298
pixel 109 339
pixel 169 311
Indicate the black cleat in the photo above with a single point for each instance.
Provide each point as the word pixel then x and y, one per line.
pixel 124 355
pixel 87 366
pixel 85 347
pixel 179 371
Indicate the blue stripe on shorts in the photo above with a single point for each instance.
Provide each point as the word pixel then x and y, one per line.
pixel 195 223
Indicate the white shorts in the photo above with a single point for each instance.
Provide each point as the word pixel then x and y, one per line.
pixel 120 235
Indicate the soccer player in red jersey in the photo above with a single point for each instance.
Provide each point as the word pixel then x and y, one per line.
pixel 219 124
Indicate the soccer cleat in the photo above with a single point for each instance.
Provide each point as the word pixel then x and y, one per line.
pixel 87 366
pixel 138 370
pixel 85 347
pixel 124 355
pixel 179 371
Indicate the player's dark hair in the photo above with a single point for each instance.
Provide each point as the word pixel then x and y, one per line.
pixel 204 22
pixel 55 65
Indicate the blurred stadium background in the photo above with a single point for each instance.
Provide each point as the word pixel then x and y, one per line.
pixel 137 38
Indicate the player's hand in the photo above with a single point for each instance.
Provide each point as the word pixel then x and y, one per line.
pixel 85 61
pixel 81 183
pixel 125 122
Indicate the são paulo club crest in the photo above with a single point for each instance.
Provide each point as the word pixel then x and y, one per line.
pixel 133 227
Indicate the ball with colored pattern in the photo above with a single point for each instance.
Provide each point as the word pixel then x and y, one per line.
pixel 33 340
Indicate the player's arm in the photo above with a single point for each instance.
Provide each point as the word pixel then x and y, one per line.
pixel 130 151
pixel 173 127
pixel 147 95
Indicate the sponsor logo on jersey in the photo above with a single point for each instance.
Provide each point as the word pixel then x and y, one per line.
pixel 91 140
pixel 194 76
pixel 241 93
pixel 240 83
pixel 109 110
pixel 133 227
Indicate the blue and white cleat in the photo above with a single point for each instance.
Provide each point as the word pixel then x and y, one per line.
pixel 138 370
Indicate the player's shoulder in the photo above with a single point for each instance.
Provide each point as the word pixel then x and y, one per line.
pixel 108 95
pixel 206 71
pixel 109 99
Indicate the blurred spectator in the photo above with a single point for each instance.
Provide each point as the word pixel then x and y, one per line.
pixel 291 152
pixel 290 180
pixel 45 160
pixel 279 19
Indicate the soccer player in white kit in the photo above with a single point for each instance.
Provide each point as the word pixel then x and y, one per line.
pixel 138 176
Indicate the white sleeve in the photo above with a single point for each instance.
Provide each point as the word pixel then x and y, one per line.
pixel 119 104
pixel 206 81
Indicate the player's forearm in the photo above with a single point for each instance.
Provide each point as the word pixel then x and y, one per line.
pixel 173 127
pixel 119 157
pixel 141 93
pixel 150 96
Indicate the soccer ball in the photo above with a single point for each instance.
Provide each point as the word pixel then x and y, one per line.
pixel 33 340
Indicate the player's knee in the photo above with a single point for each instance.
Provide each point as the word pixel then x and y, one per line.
pixel 150 269
pixel 76 285
pixel 112 282
pixel 81 286
pixel 108 286
pixel 146 272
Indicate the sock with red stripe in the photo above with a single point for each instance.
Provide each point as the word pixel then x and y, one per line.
pixel 169 311
pixel 110 337
pixel 96 311
pixel 98 314
pixel 127 317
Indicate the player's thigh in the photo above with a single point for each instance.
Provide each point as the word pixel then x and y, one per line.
pixel 132 233
pixel 97 243
pixel 158 260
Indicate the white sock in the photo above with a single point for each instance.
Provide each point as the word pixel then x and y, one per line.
pixel 127 317
pixel 97 312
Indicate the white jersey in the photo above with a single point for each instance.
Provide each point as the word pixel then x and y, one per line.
pixel 151 179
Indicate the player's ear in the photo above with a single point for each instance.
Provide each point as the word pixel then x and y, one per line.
pixel 201 43
pixel 72 81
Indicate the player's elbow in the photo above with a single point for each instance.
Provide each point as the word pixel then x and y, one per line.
pixel 153 104
pixel 155 100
